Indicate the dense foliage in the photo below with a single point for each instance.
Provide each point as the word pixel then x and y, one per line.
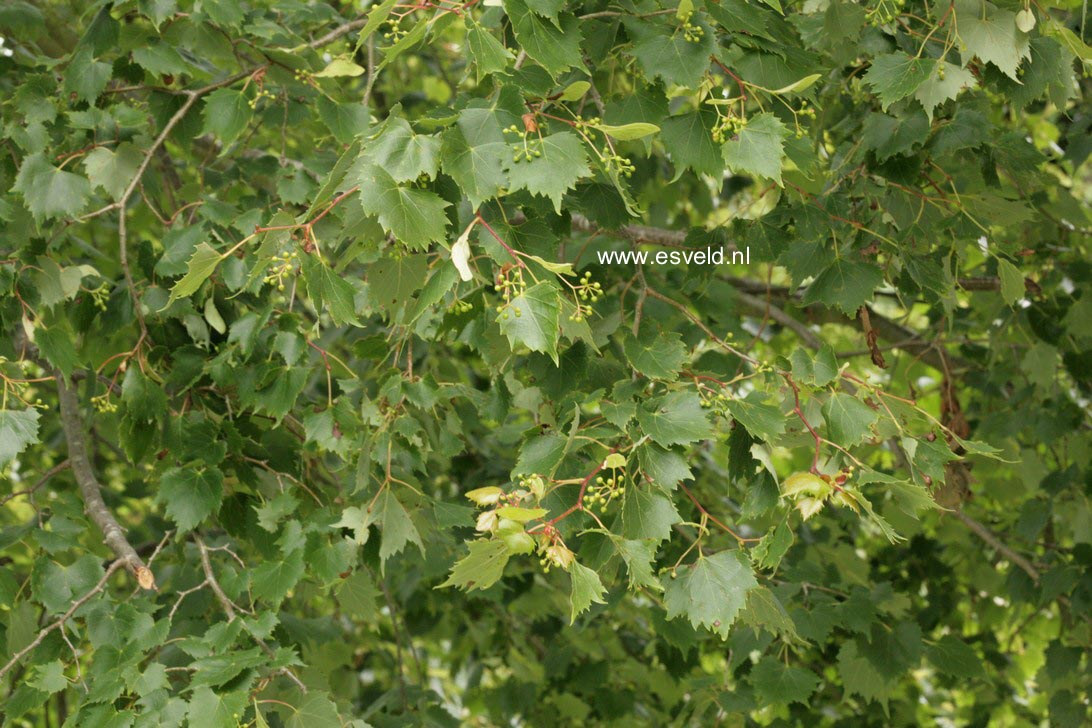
pixel 321 405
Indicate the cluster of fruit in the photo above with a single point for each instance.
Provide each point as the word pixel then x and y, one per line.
pixel 510 285
pixel 691 33
pixel 461 306
pixel 619 164
pixel 728 126
pixel 588 292
pixel 282 266
pixel 604 492
pixel 99 296
pixel 102 403
pixel 261 94
pixel 807 111
pixel 528 146
pixel 553 551
pixel 885 12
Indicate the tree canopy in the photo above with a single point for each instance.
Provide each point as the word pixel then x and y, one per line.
pixel 333 393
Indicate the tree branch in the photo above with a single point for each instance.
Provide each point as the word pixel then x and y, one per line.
pixel 997 544
pixel 59 467
pixel 897 335
pixel 63 618
pixel 903 338
pixel 230 609
pixel 763 307
pixel 113 535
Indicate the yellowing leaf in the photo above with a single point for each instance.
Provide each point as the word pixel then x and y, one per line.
pixel 486 496
pixel 799 484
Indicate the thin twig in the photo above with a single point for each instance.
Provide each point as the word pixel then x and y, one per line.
pixel 230 609
pixel 59 467
pixel 119 563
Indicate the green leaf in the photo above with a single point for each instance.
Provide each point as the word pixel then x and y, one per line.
pixel 859 676
pixel 991 34
pixel 56 284
pixel 475 155
pixel 272 579
pixel 758 149
pixel 845 284
pixel 329 291
pixel 710 592
pixel 49 192
pixel 86 77
pixel 688 138
pixel 1012 281
pixel 647 513
pixel 48 677
pixel 489 54
pixel 227 113
pixel 562 163
pixel 676 418
pixel 540 455
pixel 935 90
pixel 481 568
pixel 820 370
pixel 666 53
pixel 56 345
pixel 200 266
pixel 18 429
pixel 895 76
pixel 391 281
pixel 315 710
pixel 112 170
pixel 358 595
pixel 764 611
pixel 160 59
pixel 638 556
pixel 555 45
pixel 666 468
pixel 587 589
pixel 849 420
pixel 216 710
pixel 532 319
pixel 403 154
pixel 773 546
pixel 191 495
pixel 57 586
pixel 953 656
pixel 346 122
pixel 145 400
pixel 888 135
pixel 395 524
pixel 655 353
pixel 763 421
pixel 776 683
pixel 414 216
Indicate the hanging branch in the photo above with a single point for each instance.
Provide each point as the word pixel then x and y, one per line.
pixel 113 535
